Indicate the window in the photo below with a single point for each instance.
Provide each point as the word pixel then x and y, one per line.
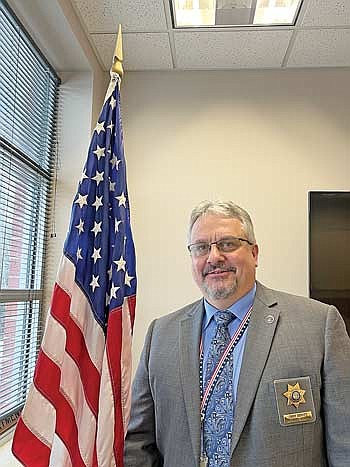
pixel 28 110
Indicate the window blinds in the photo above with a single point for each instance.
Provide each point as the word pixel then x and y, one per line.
pixel 28 116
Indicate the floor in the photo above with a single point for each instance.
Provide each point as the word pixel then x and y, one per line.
pixel 6 457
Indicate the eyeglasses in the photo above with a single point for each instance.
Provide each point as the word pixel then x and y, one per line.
pixel 225 245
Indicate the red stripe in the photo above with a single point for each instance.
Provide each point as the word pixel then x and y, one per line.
pixel 28 449
pixel 47 380
pixel 114 349
pixel 132 305
pixel 76 347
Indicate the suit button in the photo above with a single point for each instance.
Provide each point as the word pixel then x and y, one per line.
pixel 269 319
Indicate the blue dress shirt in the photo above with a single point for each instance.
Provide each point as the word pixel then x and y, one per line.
pixel 239 309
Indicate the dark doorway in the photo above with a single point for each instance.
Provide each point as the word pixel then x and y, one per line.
pixel 329 249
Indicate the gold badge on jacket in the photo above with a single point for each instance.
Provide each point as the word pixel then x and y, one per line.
pixel 294 400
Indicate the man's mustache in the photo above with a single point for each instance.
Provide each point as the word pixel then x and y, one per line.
pixel 217 269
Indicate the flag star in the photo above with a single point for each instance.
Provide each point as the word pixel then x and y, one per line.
pixel 97 228
pixel 121 199
pixel 116 226
pixel 120 263
pixel 113 102
pixel 100 127
pixel 109 272
pixel 110 126
pixel 81 200
pixel 108 299
pixel 111 186
pixel 98 202
pixel 94 283
pixel 115 161
pixel 114 290
pixel 98 177
pixel 80 226
pixel 79 254
pixel 128 279
pixel 96 254
pixel 83 177
pixel 100 152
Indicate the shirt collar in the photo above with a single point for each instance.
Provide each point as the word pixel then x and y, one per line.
pixel 239 308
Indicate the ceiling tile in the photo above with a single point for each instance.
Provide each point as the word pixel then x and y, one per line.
pixel 238 49
pixel 327 13
pixel 321 47
pixel 149 51
pixel 104 16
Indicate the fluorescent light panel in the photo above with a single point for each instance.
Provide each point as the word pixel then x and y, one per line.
pixel 224 13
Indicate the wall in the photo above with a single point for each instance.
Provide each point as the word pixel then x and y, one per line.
pixel 260 138
pixel 100 78
pixel 74 134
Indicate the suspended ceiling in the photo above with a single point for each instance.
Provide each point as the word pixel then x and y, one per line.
pixel 320 38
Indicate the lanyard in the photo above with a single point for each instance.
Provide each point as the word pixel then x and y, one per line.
pixel 205 395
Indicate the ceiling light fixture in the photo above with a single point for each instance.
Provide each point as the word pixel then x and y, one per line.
pixel 234 13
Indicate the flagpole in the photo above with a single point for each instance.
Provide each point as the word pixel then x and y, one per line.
pixel 117 65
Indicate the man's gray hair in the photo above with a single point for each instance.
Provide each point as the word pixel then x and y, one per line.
pixel 224 209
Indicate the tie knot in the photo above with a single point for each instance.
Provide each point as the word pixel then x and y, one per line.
pixel 224 317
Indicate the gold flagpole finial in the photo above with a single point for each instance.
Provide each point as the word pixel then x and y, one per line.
pixel 117 66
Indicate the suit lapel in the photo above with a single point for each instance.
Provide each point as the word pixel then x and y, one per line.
pixel 260 335
pixel 189 339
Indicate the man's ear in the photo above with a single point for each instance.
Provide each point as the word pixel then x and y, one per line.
pixel 255 252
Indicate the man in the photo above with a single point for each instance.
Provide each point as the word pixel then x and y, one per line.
pixel 247 376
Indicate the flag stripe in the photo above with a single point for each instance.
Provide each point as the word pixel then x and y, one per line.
pixel 44 425
pixel 59 454
pixel 80 310
pixel 73 392
pixel 126 360
pixel 66 427
pixel 70 373
pixel 114 348
pixel 132 306
pixel 76 348
pixel 30 450
pixel 104 442
pixel 83 416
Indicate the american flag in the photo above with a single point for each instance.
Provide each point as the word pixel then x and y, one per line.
pixel 77 408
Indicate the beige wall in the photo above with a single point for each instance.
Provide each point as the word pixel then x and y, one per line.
pixel 263 139
pixel 74 133
pixel 260 138
pixel 100 78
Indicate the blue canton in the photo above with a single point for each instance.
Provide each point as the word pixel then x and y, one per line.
pixel 218 421
pixel 99 242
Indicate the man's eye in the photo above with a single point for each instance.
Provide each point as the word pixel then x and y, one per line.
pixel 228 244
pixel 201 247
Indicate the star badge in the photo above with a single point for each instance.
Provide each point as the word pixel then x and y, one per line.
pixel 295 395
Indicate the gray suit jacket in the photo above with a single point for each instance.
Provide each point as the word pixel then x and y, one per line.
pixel 288 338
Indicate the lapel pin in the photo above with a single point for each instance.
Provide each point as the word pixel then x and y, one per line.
pixel 269 319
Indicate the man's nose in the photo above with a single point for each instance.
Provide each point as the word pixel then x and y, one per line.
pixel 214 253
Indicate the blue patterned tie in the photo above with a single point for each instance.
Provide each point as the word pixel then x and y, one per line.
pixel 219 413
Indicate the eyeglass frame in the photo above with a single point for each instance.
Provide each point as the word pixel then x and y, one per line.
pixel 216 243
